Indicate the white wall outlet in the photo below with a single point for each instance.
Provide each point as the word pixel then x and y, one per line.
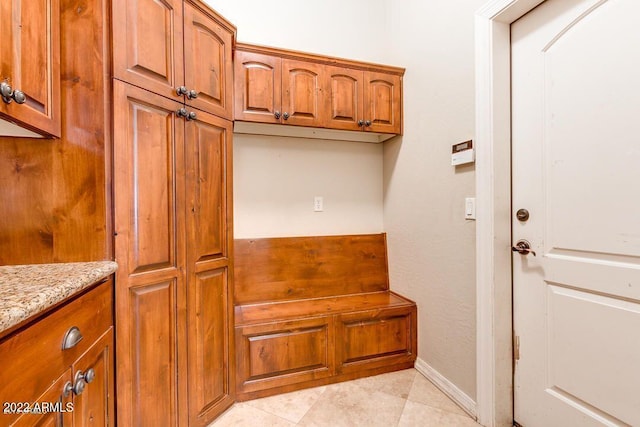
pixel 470 208
pixel 318 204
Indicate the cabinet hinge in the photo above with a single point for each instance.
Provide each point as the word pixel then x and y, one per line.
pixel 516 347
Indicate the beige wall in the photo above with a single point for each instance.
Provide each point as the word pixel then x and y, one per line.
pixel 276 179
pixel 431 246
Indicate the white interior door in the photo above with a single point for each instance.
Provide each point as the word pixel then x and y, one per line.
pixel 576 169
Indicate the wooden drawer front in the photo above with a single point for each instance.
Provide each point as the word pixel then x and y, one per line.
pixel 35 353
pixel 284 353
pixel 375 337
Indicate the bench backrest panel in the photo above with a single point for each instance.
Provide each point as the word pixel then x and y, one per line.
pixel 290 268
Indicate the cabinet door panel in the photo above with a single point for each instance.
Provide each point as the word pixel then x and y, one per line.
pixel 383 102
pixel 210 389
pixel 344 93
pixel 208 154
pixel 148 37
pixel 60 408
pixel 302 96
pixel 149 246
pixel 151 355
pixel 145 178
pixel 208 64
pixel 258 87
pixel 208 148
pixel 30 61
pixel 283 353
pixel 94 407
pixel 375 338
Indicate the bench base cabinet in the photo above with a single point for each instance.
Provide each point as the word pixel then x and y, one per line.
pixel 289 355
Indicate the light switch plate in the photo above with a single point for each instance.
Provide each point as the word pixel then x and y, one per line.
pixel 470 208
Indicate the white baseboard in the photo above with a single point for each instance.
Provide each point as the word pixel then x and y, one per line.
pixel 447 387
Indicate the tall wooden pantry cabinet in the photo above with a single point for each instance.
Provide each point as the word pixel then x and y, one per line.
pixel 173 211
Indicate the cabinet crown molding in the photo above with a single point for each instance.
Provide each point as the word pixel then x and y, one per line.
pixel 320 59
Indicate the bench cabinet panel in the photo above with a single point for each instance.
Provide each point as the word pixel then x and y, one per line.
pixel 277 354
pixel 375 338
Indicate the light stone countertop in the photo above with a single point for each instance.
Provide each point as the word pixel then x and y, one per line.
pixel 26 290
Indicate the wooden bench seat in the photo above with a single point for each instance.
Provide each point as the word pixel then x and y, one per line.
pixel 285 310
pixel 316 310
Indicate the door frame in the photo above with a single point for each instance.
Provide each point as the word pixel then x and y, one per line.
pixel 494 305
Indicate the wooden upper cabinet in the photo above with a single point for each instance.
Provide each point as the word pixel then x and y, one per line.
pixel 345 98
pixel 382 102
pixel 30 64
pixel 257 87
pixel 148 44
pixel 178 49
pixel 208 61
pixel 302 96
pixel 279 86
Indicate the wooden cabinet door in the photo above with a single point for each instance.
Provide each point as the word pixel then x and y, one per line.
pixel 30 62
pixel 149 247
pixel 257 87
pixel 208 61
pixel 94 407
pixel 344 98
pixel 302 97
pixel 148 44
pixel 383 102
pixel 209 307
pixel 59 410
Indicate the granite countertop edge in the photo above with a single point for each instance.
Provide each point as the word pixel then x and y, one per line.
pixel 28 290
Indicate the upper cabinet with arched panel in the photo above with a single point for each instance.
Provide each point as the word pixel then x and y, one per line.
pixel 275 86
pixel 179 49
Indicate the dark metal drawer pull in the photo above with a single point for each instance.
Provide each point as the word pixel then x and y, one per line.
pixel 71 338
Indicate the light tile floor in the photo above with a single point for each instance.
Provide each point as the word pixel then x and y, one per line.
pixel 403 398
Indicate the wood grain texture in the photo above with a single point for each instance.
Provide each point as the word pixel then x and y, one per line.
pixel 55 205
pixel 344 92
pixel 280 269
pixel 383 102
pixel 257 87
pixel 284 353
pixel 149 44
pixel 208 62
pixel 95 407
pixel 303 95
